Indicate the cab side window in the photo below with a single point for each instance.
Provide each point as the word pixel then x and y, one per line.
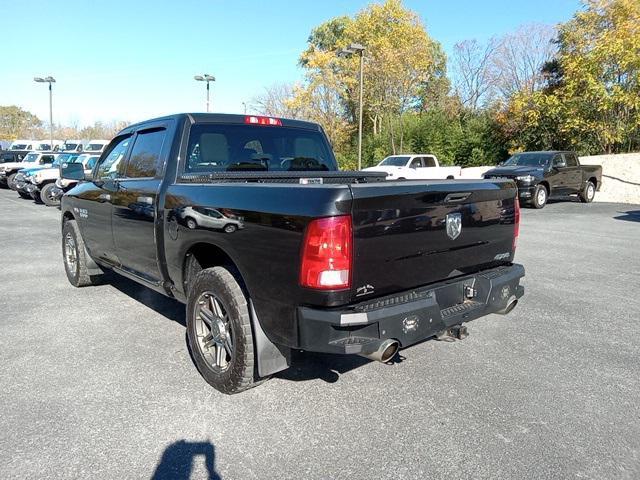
pixel 416 163
pixel 571 160
pixel 557 159
pixel 109 167
pixel 144 161
pixel 429 161
pixel 46 159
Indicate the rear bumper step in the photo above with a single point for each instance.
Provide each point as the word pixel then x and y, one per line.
pixel 412 316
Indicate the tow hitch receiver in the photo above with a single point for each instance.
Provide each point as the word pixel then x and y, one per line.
pixel 459 332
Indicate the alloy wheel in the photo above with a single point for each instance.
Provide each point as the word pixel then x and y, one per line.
pixel 70 253
pixel 213 331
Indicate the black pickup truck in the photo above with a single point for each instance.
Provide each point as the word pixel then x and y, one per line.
pixel 540 175
pixel 248 221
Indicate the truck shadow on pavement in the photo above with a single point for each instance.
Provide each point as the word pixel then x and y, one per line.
pixel 629 216
pixel 165 306
pixel 323 366
pixel 304 365
pixel 177 460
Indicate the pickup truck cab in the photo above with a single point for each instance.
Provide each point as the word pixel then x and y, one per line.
pixel 415 167
pixel 540 175
pixel 321 260
pixel 9 170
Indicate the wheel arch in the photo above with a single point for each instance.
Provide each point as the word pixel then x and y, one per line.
pixel 546 185
pixel 200 255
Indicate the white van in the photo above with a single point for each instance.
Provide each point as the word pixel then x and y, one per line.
pixel 95 146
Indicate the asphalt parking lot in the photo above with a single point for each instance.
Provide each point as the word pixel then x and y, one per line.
pixel 98 382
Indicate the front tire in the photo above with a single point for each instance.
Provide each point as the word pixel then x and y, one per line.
pixel 46 195
pixel 219 331
pixel 75 256
pixel 588 193
pixel 24 195
pixel 540 197
pixel 230 228
pixel 191 224
pixel 11 181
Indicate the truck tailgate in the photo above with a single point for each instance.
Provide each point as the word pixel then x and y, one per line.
pixel 401 239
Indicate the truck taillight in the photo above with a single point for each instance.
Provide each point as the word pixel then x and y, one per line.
pixel 327 253
pixel 516 221
pixel 255 120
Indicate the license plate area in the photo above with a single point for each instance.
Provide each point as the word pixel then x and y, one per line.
pixel 454 293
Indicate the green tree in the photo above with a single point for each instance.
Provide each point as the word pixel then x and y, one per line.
pixel 16 123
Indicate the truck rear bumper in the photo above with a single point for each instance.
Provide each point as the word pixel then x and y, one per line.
pixel 412 316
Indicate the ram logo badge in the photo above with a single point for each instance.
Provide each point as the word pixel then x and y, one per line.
pixel 454 225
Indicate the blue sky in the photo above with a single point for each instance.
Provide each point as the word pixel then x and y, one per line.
pixel 132 60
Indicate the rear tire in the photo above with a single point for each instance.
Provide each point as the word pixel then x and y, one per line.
pixel 74 255
pixel 47 198
pixel 540 197
pixel 588 193
pixel 219 331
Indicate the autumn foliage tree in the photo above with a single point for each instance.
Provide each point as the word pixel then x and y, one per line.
pixel 591 101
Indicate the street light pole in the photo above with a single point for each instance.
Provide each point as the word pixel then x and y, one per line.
pixel 49 80
pixel 346 52
pixel 360 114
pixel 206 78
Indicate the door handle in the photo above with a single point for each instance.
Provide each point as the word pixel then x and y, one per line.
pixel 105 197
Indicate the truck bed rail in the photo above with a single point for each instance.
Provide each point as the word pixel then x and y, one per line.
pixel 302 177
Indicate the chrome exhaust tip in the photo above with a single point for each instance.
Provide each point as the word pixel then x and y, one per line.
pixel 381 351
pixel 511 304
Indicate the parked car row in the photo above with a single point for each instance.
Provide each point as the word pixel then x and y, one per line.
pixel 37 175
pixel 58 145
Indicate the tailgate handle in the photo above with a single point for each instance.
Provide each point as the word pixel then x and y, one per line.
pixel 456 197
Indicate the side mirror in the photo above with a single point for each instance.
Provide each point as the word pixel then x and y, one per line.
pixel 560 164
pixel 72 171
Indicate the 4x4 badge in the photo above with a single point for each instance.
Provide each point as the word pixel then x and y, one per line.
pixel 454 225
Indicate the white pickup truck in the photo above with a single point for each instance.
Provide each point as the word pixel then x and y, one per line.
pixel 422 166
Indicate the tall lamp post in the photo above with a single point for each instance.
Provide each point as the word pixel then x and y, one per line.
pixel 356 48
pixel 49 80
pixel 205 78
